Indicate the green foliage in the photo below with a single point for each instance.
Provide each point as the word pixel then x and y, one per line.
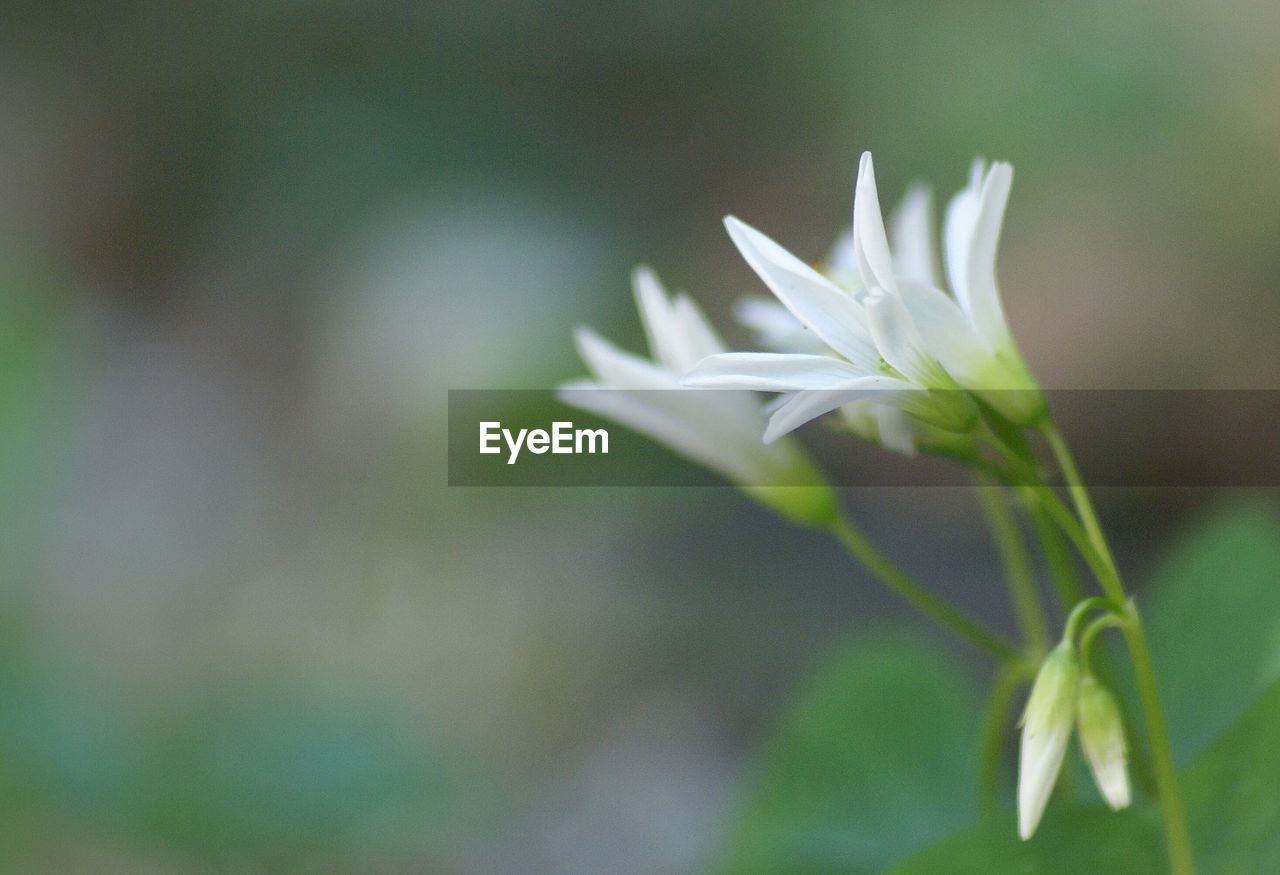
pixel 875 759
pixel 1232 803
pixel 1212 614
pixel 1231 794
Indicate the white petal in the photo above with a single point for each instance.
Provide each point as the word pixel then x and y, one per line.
pixel 842 258
pixel 947 334
pixel 818 303
pixel 618 369
pixel 678 333
pixel 870 243
pixel 656 316
pixel 804 406
pixel 962 214
pixel 984 295
pixel 651 414
pixel 775 328
pixel 771 372
pixel 893 425
pixel 899 340
pixel 912 237
pixel 972 233
pixel 698 338
pixel 1038 767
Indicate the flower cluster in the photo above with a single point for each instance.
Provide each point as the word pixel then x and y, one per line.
pixel 874 335
pixel 720 430
pixel 883 329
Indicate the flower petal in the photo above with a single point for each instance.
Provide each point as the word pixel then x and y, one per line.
pixel 618 369
pixel 804 406
pixel 870 243
pixel 984 295
pixel 652 414
pixel 911 234
pixel 899 340
pixel 957 232
pixel 771 372
pixel 679 334
pixel 818 303
pixel 972 233
pixel 893 425
pixel 948 335
pixel 775 328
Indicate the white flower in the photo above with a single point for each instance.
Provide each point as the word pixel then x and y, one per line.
pixel 1102 739
pixel 1046 729
pixel 893 322
pixel 719 430
pixel 778 331
pixel 860 334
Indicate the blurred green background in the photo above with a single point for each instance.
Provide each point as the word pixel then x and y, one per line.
pixel 247 247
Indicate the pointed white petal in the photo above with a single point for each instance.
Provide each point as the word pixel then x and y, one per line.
pixel 972 235
pixel 804 406
pixel 842 258
pixel 818 303
pixel 1046 727
pixel 655 315
pixel 650 414
pixel 771 372
pixel 899 340
pixel 1038 768
pixel 1101 730
pixel 912 237
pixel 962 214
pixel 870 243
pixel 619 369
pixel 775 328
pixel 697 337
pixel 984 295
pixel 947 334
pixel 893 424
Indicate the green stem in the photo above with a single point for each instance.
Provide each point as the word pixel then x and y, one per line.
pixel 1062 569
pixel 1017 565
pixel 1080 497
pixel 1177 837
pixel 1106 621
pixel 1103 571
pixel 861 548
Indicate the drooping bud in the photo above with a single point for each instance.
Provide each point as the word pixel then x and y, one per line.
pixel 1102 739
pixel 1046 729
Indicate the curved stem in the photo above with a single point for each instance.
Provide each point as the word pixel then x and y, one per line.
pixel 1062 569
pixel 860 547
pixel 1078 613
pixel 1017 565
pixel 1177 837
pixel 1106 621
pixel 1079 494
pixel 1103 570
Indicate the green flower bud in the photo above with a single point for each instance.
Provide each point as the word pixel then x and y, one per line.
pixel 1102 739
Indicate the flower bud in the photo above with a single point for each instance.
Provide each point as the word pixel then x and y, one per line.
pixel 1046 729
pixel 1102 738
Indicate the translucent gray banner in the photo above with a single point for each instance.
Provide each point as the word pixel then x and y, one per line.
pixel 1132 438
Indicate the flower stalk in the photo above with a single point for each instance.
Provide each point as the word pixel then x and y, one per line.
pixel 913 352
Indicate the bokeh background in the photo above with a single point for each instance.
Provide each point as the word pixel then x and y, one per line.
pixel 247 247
